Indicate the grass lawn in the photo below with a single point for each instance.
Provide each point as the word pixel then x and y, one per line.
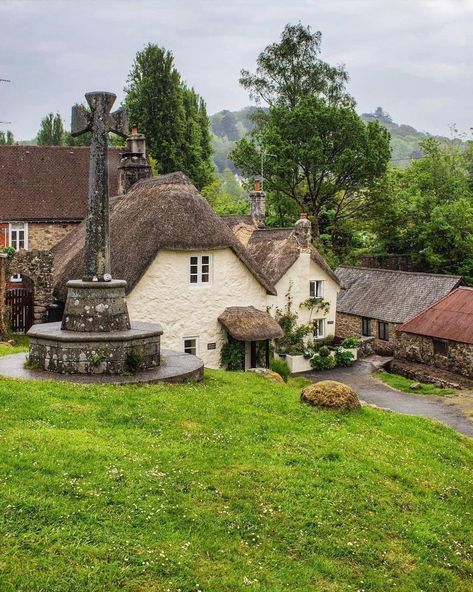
pixel 21 344
pixel 225 486
pixel 401 383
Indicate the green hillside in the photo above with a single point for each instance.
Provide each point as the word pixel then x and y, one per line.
pixel 229 126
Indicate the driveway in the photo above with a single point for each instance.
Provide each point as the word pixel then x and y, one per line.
pixel 376 393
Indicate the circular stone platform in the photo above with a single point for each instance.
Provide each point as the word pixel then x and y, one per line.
pixel 175 367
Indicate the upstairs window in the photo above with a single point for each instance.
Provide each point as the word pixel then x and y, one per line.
pixel 383 331
pixel 319 328
pixel 366 327
pixel 199 269
pixel 190 345
pixel 18 235
pixel 316 289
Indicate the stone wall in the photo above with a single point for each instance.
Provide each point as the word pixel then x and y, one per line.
pixel 46 236
pixel 38 267
pixel 351 326
pixel 418 348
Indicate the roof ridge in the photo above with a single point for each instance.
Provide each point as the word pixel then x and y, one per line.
pixel 423 273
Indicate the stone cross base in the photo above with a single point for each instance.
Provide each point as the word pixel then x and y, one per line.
pixel 96 306
pixel 115 352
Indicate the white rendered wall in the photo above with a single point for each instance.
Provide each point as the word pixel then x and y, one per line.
pixel 164 295
pixel 298 277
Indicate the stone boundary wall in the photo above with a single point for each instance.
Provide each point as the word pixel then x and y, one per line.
pixel 348 325
pixel 42 236
pixel 418 348
pixel 38 267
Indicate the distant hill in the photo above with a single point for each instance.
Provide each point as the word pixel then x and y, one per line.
pixel 230 126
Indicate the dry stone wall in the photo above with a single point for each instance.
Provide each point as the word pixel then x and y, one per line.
pixel 46 236
pixel 418 348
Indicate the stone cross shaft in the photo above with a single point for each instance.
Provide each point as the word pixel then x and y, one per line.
pixel 99 121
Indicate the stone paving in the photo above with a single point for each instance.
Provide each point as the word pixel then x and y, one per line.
pixel 376 393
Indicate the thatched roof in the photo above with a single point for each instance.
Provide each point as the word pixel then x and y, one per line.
pixel 247 323
pixel 164 212
pixel 275 250
pixel 391 296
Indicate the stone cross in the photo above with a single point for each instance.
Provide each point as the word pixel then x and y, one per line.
pixel 99 121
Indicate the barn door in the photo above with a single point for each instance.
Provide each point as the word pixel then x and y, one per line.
pixel 20 304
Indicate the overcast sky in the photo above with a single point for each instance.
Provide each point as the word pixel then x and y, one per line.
pixel 412 57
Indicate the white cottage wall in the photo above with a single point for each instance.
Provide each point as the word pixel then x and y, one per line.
pixel 164 295
pixel 298 278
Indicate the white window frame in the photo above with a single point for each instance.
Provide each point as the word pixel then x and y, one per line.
pixel 196 339
pixel 200 267
pixel 322 323
pixel 17 227
pixel 316 283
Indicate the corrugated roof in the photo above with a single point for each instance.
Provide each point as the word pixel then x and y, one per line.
pixel 48 182
pixel 450 318
pixel 391 296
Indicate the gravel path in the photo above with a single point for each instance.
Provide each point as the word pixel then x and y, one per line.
pixel 375 392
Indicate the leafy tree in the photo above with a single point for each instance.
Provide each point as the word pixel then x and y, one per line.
pixel 51 132
pixel 291 69
pixel 222 201
pixel 316 150
pixel 172 117
pixel 6 138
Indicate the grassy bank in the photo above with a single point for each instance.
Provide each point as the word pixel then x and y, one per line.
pixel 21 344
pixel 403 384
pixel 229 485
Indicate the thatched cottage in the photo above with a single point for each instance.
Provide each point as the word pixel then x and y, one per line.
pixel 205 278
pixel 375 302
pixel 441 335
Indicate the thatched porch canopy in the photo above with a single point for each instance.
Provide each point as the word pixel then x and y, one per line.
pixel 247 323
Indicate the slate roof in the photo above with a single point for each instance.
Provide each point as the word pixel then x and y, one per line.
pixel 275 250
pixel 391 296
pixel 165 212
pixel 450 318
pixel 48 183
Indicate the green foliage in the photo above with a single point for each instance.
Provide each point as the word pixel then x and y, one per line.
pixel 10 252
pixel 323 351
pixel 96 359
pixel 133 362
pixel 6 139
pixel 281 367
pixel 51 132
pixel 401 383
pixel 350 342
pixel 172 116
pixel 319 362
pixel 232 355
pixel 150 487
pixel 316 304
pixel 225 195
pixel 344 357
pixel 292 342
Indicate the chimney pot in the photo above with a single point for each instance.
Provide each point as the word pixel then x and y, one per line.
pixel 134 130
pixel 303 216
pixel 257 185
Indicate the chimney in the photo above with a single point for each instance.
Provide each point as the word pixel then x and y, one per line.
pixel 302 232
pixel 134 164
pixel 258 205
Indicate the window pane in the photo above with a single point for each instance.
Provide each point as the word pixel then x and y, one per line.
pixel 190 346
pixel 312 289
pixel 318 289
pixel 205 278
pixel 193 279
pixel 205 259
pixel 194 260
pixel 194 269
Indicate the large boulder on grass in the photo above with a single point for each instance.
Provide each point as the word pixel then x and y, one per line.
pixel 331 394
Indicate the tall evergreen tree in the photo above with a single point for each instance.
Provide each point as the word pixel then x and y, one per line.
pixel 6 138
pixel 51 132
pixel 172 117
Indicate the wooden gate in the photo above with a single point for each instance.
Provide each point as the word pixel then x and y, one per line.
pixel 20 304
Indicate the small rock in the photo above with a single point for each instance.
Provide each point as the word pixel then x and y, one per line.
pixel 414 385
pixel 268 374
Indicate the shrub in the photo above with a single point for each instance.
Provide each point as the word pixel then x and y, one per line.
pixel 331 394
pixel 350 342
pixel 344 357
pixel 232 355
pixel 281 367
pixel 324 351
pixel 133 362
pixel 319 362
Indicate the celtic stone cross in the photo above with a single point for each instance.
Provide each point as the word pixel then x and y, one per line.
pixel 99 121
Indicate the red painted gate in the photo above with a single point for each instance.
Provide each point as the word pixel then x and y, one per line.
pixel 20 304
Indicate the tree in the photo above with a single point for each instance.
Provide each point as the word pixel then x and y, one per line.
pixel 6 139
pixel 316 150
pixel 291 69
pixel 51 132
pixel 172 117
pixel 322 156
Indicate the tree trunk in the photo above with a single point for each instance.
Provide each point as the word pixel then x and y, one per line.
pixel 4 333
